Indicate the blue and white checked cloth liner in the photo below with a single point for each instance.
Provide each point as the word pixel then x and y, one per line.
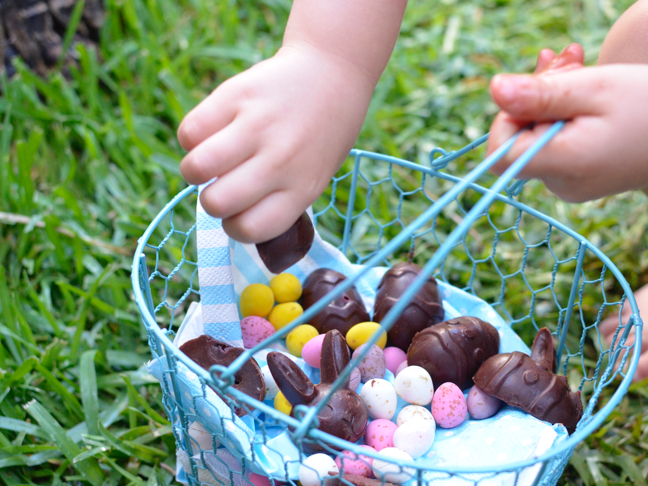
pixel 226 267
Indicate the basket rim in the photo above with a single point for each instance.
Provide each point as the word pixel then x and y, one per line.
pixel 584 430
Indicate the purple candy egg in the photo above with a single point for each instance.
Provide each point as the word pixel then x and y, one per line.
pixel 373 365
pixel 481 405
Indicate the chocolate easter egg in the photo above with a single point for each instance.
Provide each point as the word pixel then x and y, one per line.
pixel 424 310
pixel 285 250
pixel 341 314
pixel 453 351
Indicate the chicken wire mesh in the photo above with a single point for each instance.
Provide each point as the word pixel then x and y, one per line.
pixel 531 269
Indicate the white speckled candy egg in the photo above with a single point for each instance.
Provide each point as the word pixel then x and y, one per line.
pixel 373 365
pixel 380 398
pixel 400 368
pixel 255 329
pixel 412 412
pixel 481 405
pixel 199 434
pixel 389 471
pixel 415 437
pixel 414 385
pixel 270 384
pixel 449 406
pixel 316 468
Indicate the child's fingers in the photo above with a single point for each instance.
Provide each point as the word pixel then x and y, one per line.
pixel 253 225
pixel 503 127
pixel 213 114
pixel 573 54
pixel 642 368
pixel 560 96
pixel 544 59
pixel 219 154
pixel 240 188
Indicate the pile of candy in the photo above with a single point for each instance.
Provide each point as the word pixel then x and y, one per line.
pixel 419 351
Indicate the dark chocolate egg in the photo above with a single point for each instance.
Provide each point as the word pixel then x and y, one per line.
pixel 282 252
pixel 424 310
pixel 341 314
pixel 529 383
pixel 207 352
pixel 454 350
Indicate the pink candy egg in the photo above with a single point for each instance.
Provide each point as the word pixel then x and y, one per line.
pixel 259 480
pixel 481 405
pixel 352 464
pixel 255 329
pixel 380 434
pixel 373 365
pixel 394 357
pixel 401 367
pixel 312 351
pixel 449 407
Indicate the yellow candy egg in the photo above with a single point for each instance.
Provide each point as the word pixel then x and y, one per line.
pixel 299 336
pixel 286 288
pixel 282 314
pixel 281 404
pixel 256 300
pixel 362 332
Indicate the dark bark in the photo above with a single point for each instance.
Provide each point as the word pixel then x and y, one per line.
pixel 34 30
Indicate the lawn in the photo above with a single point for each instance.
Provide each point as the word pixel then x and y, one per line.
pixel 87 161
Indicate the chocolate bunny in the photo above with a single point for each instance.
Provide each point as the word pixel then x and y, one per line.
pixel 345 414
pixel 530 383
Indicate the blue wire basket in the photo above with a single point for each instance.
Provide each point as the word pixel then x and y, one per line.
pixel 530 268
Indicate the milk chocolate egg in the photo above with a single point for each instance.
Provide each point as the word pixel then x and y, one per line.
pixel 342 313
pixel 285 250
pixel 207 352
pixel 454 350
pixel 424 310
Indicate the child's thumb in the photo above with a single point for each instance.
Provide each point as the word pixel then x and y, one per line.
pixel 544 98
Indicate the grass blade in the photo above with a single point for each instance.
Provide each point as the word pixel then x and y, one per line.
pixel 89 392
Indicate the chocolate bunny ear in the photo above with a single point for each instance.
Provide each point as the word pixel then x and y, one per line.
pixel 291 380
pixel 543 350
pixel 335 356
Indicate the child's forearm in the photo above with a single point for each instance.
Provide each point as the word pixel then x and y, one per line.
pixel 358 34
pixel 627 41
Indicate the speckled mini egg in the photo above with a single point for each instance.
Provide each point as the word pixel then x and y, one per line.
pixel 350 463
pixel 394 357
pixel 449 406
pixel 256 300
pixel 414 385
pixel 355 379
pixel 259 480
pixel 316 468
pixel 373 364
pixel 362 332
pixel 201 437
pixel 414 412
pixel 270 384
pixel 481 405
pixel 380 398
pixel 282 404
pixel 380 434
pixel 389 470
pixel 401 367
pixel 415 437
pixel 312 351
pixel 255 329
pixel 298 337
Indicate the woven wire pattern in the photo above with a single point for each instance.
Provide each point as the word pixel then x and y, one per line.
pixel 532 272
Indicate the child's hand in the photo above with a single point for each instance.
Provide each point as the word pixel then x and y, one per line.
pixel 602 148
pixel 273 135
pixel 608 327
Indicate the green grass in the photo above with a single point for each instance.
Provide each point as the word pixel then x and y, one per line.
pixel 87 162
